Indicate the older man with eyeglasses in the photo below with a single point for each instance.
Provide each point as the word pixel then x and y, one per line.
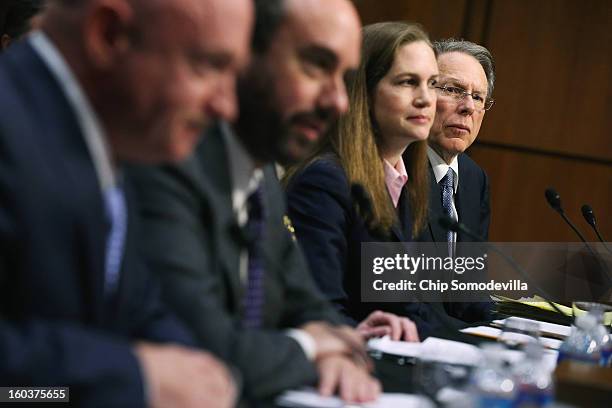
pixel 467 77
pixel 459 187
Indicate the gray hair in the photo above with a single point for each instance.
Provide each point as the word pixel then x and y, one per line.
pixel 482 55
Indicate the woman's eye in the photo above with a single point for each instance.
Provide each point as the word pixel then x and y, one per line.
pixel 409 82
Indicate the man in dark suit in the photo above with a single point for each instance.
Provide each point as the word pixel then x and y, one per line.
pixel 459 188
pixel 214 225
pixel 465 88
pixel 102 83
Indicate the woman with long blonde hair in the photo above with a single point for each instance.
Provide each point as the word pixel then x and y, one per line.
pixel 392 107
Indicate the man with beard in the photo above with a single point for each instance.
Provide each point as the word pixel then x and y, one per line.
pixel 214 225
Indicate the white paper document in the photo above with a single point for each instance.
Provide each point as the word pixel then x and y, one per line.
pixel 432 349
pixel 397 348
pixel 545 327
pixel 494 333
pixel 310 398
pixel 449 352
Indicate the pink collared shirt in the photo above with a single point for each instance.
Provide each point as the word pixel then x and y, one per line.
pixel 395 179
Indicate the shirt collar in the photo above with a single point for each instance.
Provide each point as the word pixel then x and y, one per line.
pixel 395 179
pixel 440 167
pixel 91 128
pixel 245 177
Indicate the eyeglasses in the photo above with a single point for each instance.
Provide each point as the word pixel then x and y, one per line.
pixel 459 94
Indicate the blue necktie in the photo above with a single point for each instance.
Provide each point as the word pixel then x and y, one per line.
pixel 116 211
pixel 447 190
pixel 254 299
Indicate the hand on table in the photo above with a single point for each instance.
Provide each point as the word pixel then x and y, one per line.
pixel 180 377
pixel 380 323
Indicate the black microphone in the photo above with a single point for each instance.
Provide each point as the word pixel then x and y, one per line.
pixel 555 203
pixel 553 199
pixel 363 203
pixel 450 224
pixel 589 217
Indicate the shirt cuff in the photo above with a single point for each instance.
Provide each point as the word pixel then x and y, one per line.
pixel 306 341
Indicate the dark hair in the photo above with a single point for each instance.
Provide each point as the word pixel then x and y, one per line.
pixel 3 13
pixel 268 16
pixel 18 15
pixel 480 53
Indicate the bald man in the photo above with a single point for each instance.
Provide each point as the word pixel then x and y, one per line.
pixel 214 225
pixel 103 83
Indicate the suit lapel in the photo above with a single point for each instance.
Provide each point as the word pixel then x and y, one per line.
pixel 63 138
pixel 465 201
pixel 215 185
pixel 402 230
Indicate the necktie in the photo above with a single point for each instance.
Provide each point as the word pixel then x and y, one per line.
pixel 116 211
pixel 254 299
pixel 447 190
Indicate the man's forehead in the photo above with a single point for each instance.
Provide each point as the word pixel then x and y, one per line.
pixel 462 69
pixel 204 24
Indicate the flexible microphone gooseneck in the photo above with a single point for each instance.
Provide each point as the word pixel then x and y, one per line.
pixel 554 200
pixel 589 217
pixel 450 224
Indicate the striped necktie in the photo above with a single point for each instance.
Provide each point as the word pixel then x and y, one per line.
pixel 447 189
pixel 254 299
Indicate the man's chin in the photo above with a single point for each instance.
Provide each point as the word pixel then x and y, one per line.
pixel 296 151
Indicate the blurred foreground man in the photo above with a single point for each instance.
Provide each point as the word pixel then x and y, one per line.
pixel 105 81
pixel 214 226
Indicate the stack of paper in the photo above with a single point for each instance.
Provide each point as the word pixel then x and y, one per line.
pixel 310 398
pixel 494 333
pixel 448 352
pixel 432 349
pixel 536 305
pixel 546 329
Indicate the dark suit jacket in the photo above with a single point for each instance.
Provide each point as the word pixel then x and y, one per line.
pixel 472 203
pixel 193 243
pixel 330 229
pixel 56 327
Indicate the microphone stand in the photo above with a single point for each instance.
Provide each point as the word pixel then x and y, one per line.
pixel 450 224
pixel 589 217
